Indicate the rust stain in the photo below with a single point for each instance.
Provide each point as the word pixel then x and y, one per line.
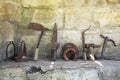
pixel 7 10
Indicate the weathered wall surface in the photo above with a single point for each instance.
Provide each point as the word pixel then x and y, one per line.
pixel 71 16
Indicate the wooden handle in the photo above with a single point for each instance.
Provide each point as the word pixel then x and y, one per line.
pixel 40 37
pixel 92 58
pixel 85 56
pixel 36 49
pixel 36 54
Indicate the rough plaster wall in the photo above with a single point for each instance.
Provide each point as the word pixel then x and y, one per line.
pixel 71 16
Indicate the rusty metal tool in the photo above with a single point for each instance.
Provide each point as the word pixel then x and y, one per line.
pixel 91 54
pixel 37 46
pixel 11 43
pixel 106 39
pixel 70 52
pixel 55 44
pixel 22 53
pixel 91 47
pixel 41 28
pixel 38 27
pixel 83 44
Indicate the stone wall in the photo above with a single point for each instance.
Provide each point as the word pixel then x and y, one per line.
pixel 71 16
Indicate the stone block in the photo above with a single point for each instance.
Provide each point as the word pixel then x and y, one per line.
pixel 10 1
pixel 93 38
pixel 66 36
pixel 67 75
pixel 12 74
pixel 110 29
pixel 112 73
pixel 75 74
pixel 76 3
pixel 48 17
pixel 77 18
pixel 7 30
pixel 25 16
pixel 40 3
pixel 96 2
pixel 107 17
pixel 35 76
pixel 113 1
pixel 9 11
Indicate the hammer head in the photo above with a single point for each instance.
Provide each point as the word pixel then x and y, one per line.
pixel 38 27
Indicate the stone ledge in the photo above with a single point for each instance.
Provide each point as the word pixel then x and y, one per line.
pixel 61 70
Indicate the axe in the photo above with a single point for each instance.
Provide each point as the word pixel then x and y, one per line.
pixel 38 27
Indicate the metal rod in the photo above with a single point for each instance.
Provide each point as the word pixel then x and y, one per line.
pixel 83 43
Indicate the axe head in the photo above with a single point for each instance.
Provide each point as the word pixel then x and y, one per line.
pixel 36 26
